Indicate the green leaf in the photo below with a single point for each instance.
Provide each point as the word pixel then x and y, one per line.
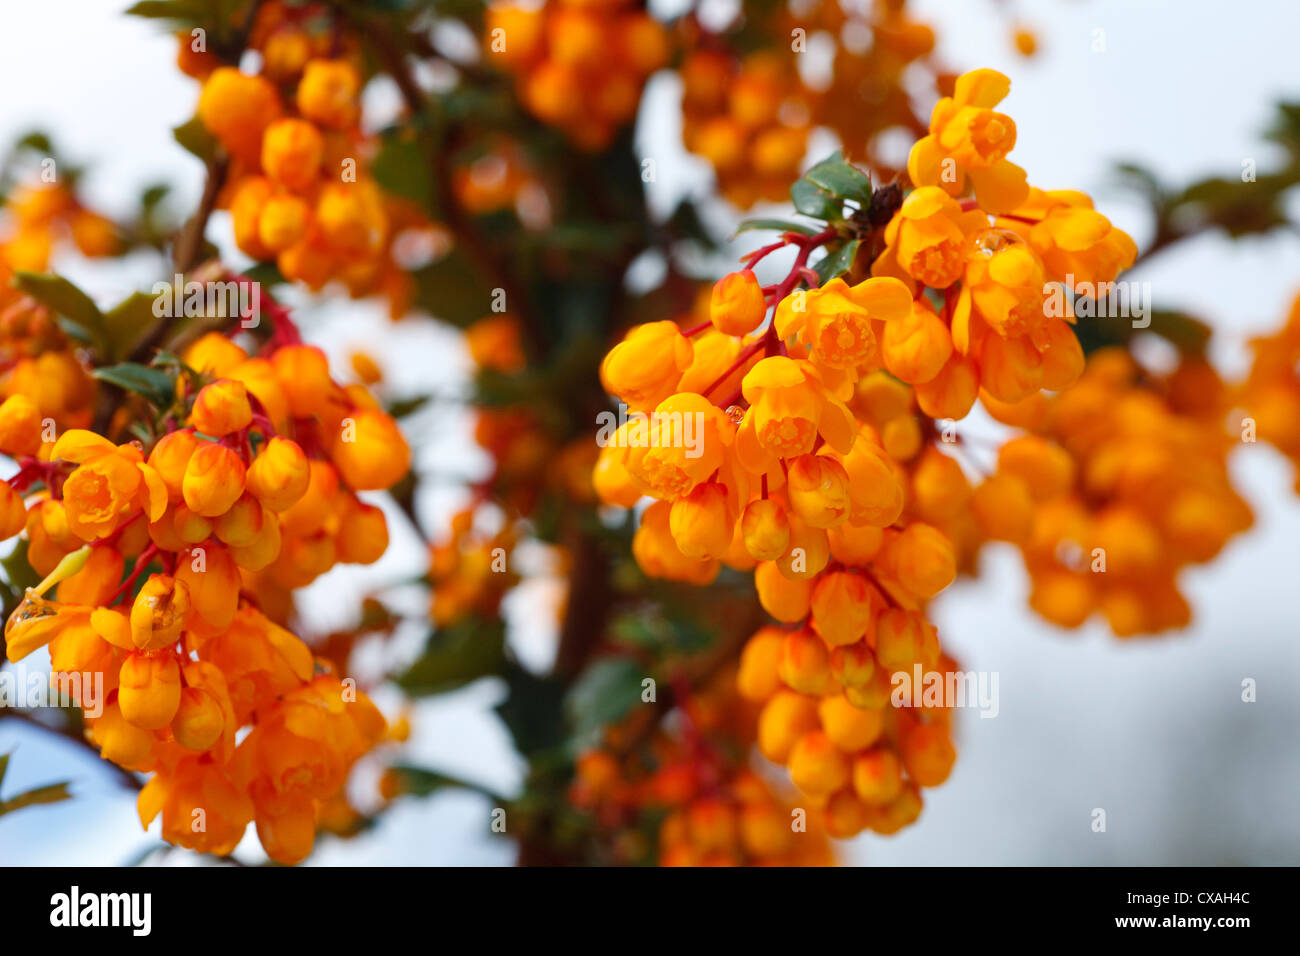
pixel 604 694
pixel 533 711
pixel 196 139
pixel 841 179
pixel 451 289
pixel 402 168
pixel 402 407
pixel 154 384
pixel 65 299
pixel 126 323
pixel 456 655
pixel 814 201
pixel 774 225
pixel 54 793
pixel 419 782
pixel 837 262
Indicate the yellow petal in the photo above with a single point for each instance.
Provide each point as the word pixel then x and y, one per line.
pixel 775 371
pixel 156 491
pixel 78 445
pixel 961 322
pixel 883 297
pixel 1001 187
pixel 837 425
pixel 149 802
pixel 986 88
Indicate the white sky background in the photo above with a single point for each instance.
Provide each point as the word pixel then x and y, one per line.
pixel 1153 732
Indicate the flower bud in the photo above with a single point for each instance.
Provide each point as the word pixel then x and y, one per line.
pixel 702 522
pixel 363 534
pixel 842 607
pixel 214 480
pixel 158 614
pixel 221 408
pixel 784 719
pixel 198 722
pixel 370 451
pixel 817 767
pixel 877 776
pixel 291 153
pixel 738 305
pixel 241 525
pixel 646 366
pixel 171 456
pixel 13 512
pixel 818 489
pixel 304 375
pixel 805 663
pixel 766 529
pixel 279 475
pixel 20 426
pixel 849 728
pixel 784 598
pixel 149 689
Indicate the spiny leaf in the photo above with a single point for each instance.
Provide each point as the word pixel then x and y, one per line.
pixel 838 177
pixel 154 384
pixel 64 298
pixel 813 201
pixel 774 225
pixel 456 655
pixel 54 793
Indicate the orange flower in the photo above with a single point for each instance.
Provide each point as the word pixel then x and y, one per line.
pixel 110 484
pixel 835 320
pixel 926 240
pixel 968 139
pixel 221 408
pixel 789 408
pixel 646 366
pixel 214 479
pixel 370 451
pixel 737 306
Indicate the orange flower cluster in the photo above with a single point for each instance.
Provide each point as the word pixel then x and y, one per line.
pixel 709 809
pixel 470 571
pixel 781 446
pixel 749 117
pixel 39 216
pixel 1271 394
pixel 254 497
pixel 39 363
pixel 1116 485
pixel 996 261
pixel 579 64
pixel 790 482
pixel 298 191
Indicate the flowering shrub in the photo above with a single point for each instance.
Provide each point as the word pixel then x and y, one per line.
pixel 744 491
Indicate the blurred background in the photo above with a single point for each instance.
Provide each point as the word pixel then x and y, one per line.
pixel 1153 731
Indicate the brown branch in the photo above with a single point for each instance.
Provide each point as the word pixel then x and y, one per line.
pixel 127 778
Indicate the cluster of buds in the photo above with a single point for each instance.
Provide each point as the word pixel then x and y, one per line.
pixel 40 216
pixel 749 118
pixel 248 493
pixel 1118 484
pixel 298 191
pixel 39 363
pixel 782 445
pixel 579 65
pixel 1000 266
pixel 750 112
pixel 1271 394
pixel 686 781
